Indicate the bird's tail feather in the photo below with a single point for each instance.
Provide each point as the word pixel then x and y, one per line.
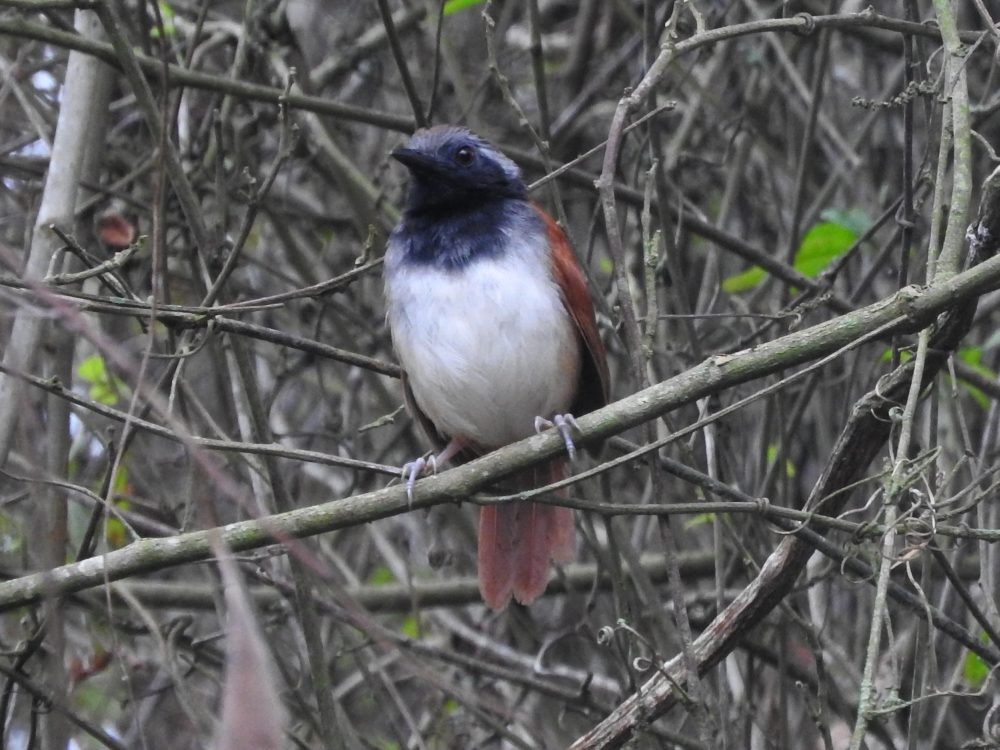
pixel 517 541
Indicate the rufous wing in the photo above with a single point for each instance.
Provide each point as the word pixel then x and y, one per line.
pixel 593 390
pixel 518 540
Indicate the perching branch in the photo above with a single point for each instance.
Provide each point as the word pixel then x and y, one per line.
pixel 906 311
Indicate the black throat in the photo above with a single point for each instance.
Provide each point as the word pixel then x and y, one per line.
pixel 452 236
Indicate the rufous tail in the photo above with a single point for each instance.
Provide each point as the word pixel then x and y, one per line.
pixel 517 541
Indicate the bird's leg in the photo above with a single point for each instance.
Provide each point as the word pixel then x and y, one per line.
pixel 427 465
pixel 562 423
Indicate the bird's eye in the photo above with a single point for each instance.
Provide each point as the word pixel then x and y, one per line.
pixel 465 156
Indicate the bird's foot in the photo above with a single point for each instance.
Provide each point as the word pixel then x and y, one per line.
pixel 413 469
pixel 428 464
pixel 563 423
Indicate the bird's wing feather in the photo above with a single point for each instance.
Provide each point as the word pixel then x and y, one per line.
pixel 594 378
pixel 426 425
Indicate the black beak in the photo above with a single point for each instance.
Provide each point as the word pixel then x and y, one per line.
pixel 417 161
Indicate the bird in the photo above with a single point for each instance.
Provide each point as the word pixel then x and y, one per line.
pixel 496 335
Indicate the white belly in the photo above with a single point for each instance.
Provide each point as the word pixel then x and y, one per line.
pixel 487 348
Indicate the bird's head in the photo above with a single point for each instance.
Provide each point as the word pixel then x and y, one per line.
pixel 454 167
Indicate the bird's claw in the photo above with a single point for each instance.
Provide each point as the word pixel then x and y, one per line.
pixel 412 470
pixel 563 423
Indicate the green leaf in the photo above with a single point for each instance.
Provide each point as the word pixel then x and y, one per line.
pixel 904 356
pixel 973 357
pixel 92 698
pixel 410 627
pixel 854 219
pixel 974 669
pixel 120 484
pixel 699 520
pixel 823 243
pixel 92 370
pixel 381 576
pixel 115 533
pixel 744 282
pixel 104 387
pixel 772 455
pixel 453 6
pixel 169 27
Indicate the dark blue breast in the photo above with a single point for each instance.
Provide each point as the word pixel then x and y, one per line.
pixel 453 238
